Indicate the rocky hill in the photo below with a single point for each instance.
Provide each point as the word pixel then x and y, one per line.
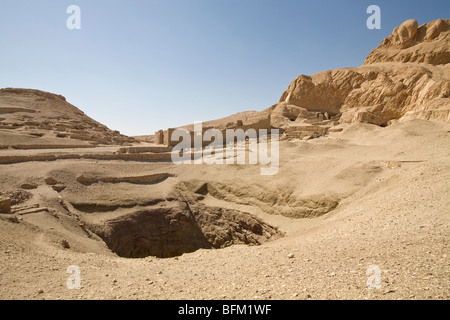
pixel 33 118
pixel 428 43
pixel 406 77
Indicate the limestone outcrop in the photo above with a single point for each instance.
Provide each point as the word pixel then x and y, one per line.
pixel 406 77
pixel 428 43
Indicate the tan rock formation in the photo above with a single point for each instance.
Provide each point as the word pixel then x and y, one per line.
pixel 36 118
pixel 428 43
pixel 406 77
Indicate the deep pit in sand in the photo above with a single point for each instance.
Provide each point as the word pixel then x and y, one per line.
pixel 173 228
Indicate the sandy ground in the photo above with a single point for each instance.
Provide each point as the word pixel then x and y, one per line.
pixel 391 186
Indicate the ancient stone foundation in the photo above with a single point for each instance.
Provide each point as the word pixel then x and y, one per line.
pixel 302 131
pixel 263 123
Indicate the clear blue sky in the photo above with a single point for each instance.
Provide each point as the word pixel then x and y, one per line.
pixel 142 65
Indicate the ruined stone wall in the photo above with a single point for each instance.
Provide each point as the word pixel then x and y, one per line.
pixel 263 123
pixel 159 137
pixel 256 124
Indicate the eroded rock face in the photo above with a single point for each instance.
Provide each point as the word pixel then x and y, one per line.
pixel 225 227
pixel 392 93
pixel 323 92
pixel 428 43
pixel 391 85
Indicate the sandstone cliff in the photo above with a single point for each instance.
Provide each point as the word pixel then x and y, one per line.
pixel 406 77
pixel 428 43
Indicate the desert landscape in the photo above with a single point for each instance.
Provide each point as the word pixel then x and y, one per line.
pixel 363 183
